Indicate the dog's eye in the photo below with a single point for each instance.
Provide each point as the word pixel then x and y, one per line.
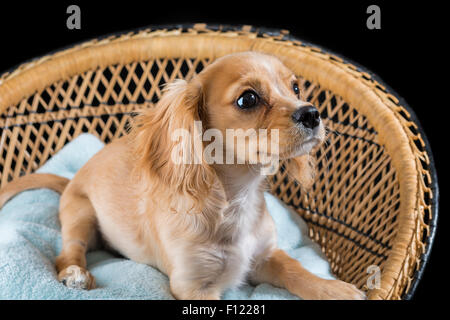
pixel 247 100
pixel 296 89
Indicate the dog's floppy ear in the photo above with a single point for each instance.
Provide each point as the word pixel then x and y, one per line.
pixel 302 169
pixel 167 131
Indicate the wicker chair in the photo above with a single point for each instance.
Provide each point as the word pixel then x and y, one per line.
pixel 375 199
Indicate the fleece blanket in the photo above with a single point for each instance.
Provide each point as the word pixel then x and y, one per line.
pixel 30 240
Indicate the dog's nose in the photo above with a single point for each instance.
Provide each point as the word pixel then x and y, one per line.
pixel 308 116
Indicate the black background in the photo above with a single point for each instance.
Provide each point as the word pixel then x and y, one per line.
pixel 407 53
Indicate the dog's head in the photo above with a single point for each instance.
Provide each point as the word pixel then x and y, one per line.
pixel 256 91
pixel 239 92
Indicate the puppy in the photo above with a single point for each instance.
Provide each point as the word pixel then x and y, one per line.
pixel 203 224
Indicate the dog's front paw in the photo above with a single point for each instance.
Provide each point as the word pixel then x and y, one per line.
pixel 75 277
pixel 339 290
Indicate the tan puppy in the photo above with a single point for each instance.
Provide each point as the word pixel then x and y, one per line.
pixel 203 224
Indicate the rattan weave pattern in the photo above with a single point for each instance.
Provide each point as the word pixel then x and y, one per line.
pixel 372 201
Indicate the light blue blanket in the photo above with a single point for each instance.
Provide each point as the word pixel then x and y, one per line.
pixel 30 240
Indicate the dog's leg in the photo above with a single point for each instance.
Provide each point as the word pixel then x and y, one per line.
pixel 186 293
pixel 184 288
pixel 283 271
pixel 78 222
